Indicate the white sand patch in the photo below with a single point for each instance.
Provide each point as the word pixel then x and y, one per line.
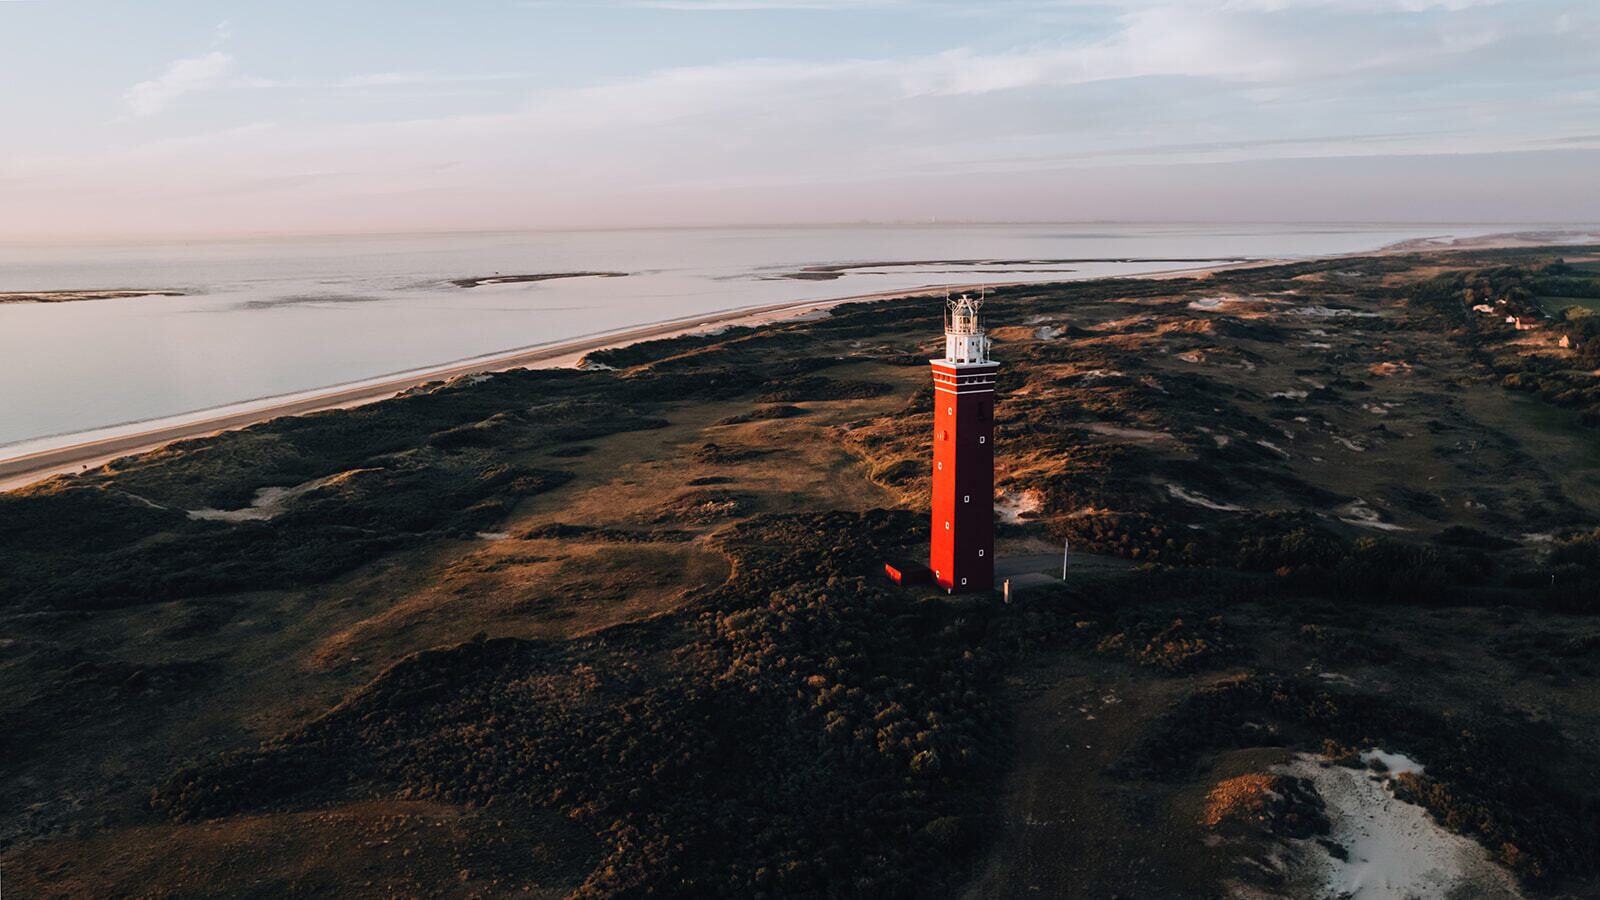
pixel 1132 434
pixel 1221 301
pixel 810 315
pixel 1393 763
pixel 1047 332
pixel 146 501
pixel 1097 374
pixel 1290 395
pixel 1200 499
pixel 268 502
pixel 1274 448
pixel 1332 312
pixel 493 536
pixel 1221 439
pixel 1348 444
pixel 589 365
pixel 1395 849
pixel 1539 537
pixel 1359 514
pixel 1192 356
pixel 1013 506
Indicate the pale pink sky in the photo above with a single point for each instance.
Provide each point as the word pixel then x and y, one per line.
pixel 206 118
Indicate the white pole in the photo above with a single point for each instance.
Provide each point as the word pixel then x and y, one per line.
pixel 1066 546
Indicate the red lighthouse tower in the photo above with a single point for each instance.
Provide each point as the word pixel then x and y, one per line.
pixel 962 556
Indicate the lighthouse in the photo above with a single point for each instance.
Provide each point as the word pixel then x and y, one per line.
pixel 962 554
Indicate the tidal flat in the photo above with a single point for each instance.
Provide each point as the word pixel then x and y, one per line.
pixel 78 296
pixel 623 629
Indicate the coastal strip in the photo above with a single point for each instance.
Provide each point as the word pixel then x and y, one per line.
pixel 20 471
pixel 527 279
pixel 76 296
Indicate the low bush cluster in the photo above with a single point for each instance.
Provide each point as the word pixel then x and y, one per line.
pixel 1175 647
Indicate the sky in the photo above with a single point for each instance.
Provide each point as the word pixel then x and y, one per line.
pixel 181 119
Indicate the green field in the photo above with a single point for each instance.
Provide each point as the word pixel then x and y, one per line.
pixel 1555 305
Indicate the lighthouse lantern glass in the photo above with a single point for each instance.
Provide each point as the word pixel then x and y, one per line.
pixel 964 340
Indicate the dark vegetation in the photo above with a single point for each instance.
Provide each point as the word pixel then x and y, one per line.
pixel 127 539
pixel 778 411
pixel 795 732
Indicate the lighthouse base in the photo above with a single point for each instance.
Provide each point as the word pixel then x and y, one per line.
pixel 907 572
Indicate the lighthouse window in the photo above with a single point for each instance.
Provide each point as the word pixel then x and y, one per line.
pixel 947 526
pixel 966 498
pixel 939 465
pixel 980 551
pixel 944 435
pixel 963 581
pixel 949 410
pixel 983 439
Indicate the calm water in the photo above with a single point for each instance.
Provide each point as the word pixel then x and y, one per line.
pixel 271 317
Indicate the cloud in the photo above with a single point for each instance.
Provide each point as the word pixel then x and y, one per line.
pixel 184 76
pixel 751 5
pixel 727 5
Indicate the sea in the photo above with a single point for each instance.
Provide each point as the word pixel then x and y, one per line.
pixel 268 318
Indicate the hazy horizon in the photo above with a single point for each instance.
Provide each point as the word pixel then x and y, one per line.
pixel 227 119
pixel 1575 225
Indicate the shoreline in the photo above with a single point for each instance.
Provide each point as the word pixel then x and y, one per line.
pixel 30 468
